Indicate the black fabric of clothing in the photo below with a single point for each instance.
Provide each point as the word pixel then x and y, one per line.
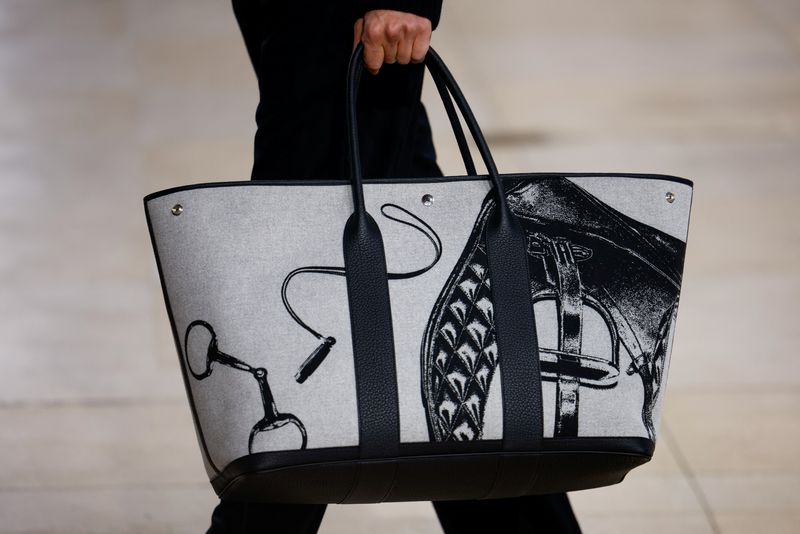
pixel 541 514
pixel 537 514
pixel 300 52
pixel 262 518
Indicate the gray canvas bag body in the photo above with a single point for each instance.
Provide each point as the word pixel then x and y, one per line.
pixel 422 339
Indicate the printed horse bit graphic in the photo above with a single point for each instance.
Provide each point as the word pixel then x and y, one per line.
pixel 273 419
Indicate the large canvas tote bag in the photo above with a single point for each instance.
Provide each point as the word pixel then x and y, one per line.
pixel 431 338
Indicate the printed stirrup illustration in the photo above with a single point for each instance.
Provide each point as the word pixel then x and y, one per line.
pixel 625 272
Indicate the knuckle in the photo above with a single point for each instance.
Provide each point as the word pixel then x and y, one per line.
pixel 394 31
pixel 373 32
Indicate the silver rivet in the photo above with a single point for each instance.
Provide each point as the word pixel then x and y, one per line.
pixel 427 200
pixel 177 209
pixel 670 197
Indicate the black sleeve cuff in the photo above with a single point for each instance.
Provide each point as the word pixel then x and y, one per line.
pixel 430 9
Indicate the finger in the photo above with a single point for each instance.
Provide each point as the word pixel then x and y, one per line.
pixel 404 49
pixel 420 48
pixel 373 56
pixel 394 33
pixel 358 31
pixel 373 37
pixel 390 52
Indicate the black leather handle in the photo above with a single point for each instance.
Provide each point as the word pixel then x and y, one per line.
pixel 370 310
pixel 452 115
pixel 455 123
pixel 447 88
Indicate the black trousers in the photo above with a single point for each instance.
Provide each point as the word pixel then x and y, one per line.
pixel 300 135
pixel 541 514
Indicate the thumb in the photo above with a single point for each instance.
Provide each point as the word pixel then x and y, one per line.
pixel 358 30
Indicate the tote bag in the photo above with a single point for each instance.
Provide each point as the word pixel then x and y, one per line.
pixel 437 338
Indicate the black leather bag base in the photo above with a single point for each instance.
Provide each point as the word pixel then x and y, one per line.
pixel 317 477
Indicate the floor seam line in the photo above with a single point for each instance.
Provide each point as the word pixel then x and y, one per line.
pixel 686 470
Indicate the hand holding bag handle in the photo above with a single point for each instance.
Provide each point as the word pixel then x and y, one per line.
pixel 370 312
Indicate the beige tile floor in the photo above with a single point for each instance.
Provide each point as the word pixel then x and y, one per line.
pixel 104 101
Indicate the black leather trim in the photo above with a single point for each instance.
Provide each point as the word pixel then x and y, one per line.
pixel 431 180
pixel 515 329
pixel 176 337
pixel 373 343
pixel 330 475
pixel 370 326
pixel 276 459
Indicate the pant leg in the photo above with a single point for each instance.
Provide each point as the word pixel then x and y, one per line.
pixel 539 514
pixel 263 518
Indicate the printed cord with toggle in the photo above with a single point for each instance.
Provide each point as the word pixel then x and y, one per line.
pixel 273 419
pixel 311 363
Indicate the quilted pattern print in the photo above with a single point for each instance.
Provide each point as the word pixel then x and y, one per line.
pixel 463 342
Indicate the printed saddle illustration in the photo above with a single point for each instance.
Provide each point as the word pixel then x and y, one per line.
pixel 582 255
